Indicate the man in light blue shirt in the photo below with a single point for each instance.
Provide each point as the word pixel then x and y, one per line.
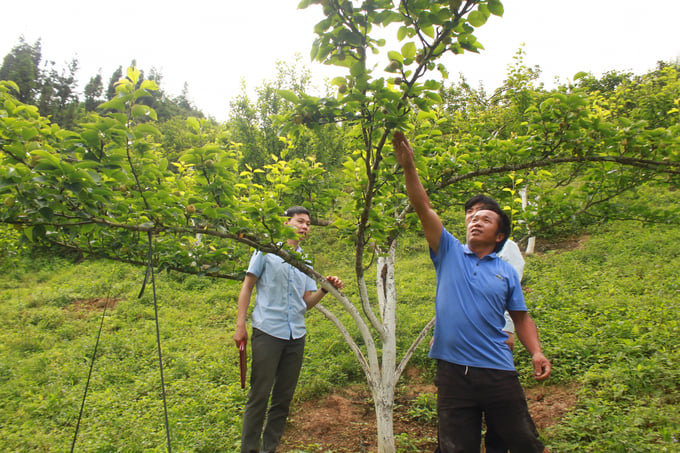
pixel 284 294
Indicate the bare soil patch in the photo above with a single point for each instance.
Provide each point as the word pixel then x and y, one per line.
pixel 84 306
pixel 344 421
pixel 564 244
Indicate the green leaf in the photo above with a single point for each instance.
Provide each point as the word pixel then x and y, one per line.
pixel 9 106
pixel 149 85
pixel 314 51
pixel 443 71
pixel 423 115
pixel 28 133
pixel 322 26
pixel 408 50
pixel 146 128
pixel 289 96
pixel 476 19
pixel 432 85
pixel 46 157
pixel 141 110
pixel 429 31
pixel 496 7
pixel 87 228
pixel 352 38
pixel 117 103
pixel 433 95
pixel 193 124
pixel 358 69
pixel 387 17
pixel 46 213
pixel 133 74
pixel 454 5
pixel 393 55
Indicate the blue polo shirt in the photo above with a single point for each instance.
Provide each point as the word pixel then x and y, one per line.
pixel 472 296
pixel 279 305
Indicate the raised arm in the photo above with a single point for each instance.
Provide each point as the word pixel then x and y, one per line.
pixel 432 224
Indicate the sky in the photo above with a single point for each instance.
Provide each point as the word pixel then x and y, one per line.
pixel 214 45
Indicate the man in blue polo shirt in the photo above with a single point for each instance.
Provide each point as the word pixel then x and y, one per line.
pixel 284 294
pixel 512 255
pixel 476 375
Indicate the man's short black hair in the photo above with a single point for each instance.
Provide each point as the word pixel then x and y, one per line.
pixel 488 202
pixel 290 212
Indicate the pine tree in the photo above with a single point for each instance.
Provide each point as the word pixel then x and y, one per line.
pixel 21 66
pixel 93 91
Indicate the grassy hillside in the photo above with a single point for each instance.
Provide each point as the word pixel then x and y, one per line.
pixel 610 318
pixel 608 312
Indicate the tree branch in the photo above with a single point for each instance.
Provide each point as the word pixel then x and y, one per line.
pixel 407 357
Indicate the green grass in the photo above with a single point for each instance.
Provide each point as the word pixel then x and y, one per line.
pixel 608 313
pixel 610 320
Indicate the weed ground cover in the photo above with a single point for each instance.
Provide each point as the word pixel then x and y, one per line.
pixel 608 313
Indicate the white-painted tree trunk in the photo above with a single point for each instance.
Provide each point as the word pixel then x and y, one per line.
pixel 531 242
pixel 384 417
pixel 381 374
pixel 531 245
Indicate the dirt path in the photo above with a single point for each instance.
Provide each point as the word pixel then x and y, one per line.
pixel 344 421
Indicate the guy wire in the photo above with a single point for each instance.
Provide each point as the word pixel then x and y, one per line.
pixel 150 271
pixel 89 374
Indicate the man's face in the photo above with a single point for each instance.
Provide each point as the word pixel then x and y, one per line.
pixel 483 226
pixel 472 211
pixel 301 223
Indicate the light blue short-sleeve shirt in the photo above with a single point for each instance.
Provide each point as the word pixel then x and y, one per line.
pixel 472 296
pixel 279 305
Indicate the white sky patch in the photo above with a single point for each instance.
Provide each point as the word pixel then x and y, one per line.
pixel 213 45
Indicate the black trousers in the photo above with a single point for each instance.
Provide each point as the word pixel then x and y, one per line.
pixel 466 394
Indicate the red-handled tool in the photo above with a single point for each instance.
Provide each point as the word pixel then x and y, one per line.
pixel 242 359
